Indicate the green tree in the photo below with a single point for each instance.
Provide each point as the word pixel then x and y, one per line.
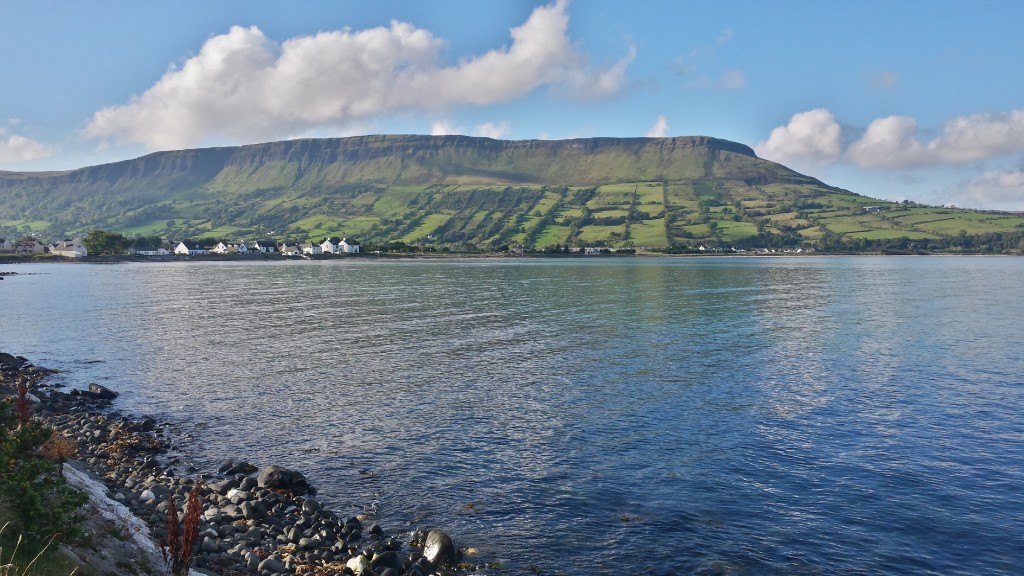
pixel 100 242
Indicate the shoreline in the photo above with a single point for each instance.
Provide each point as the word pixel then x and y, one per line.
pixel 253 521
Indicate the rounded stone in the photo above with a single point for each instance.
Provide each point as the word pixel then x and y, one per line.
pixel 439 549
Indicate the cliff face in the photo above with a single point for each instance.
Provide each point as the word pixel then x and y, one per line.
pixel 412 160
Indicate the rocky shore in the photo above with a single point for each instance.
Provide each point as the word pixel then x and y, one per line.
pixel 253 521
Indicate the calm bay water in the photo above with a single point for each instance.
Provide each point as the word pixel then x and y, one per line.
pixel 664 416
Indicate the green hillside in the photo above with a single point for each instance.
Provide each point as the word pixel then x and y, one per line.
pixel 459 191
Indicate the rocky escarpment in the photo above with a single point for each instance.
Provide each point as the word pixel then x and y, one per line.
pixel 265 522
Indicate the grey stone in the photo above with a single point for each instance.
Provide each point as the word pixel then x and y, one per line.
pixel 272 564
pixel 278 478
pixel 101 392
pixel 439 549
pixel 222 487
pixel 359 565
pixel 209 545
pixel 387 559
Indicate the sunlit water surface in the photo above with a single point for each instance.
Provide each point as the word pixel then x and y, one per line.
pixel 627 416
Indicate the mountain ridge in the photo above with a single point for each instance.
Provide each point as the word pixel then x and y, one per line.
pixel 455 190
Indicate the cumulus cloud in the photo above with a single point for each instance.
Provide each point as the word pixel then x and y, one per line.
pixel 246 87
pixel 999 190
pixel 15 148
pixel 443 128
pixel 660 128
pixel 893 142
pixel 491 130
pixel 889 142
pixel 809 140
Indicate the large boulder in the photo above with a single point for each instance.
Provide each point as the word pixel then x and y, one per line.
pixel 439 549
pixel 278 478
pixel 101 392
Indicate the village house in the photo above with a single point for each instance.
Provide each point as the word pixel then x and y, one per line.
pixel 147 250
pixel 336 246
pixel 329 246
pixel 312 249
pixel 189 248
pixel 289 249
pixel 6 245
pixel 265 246
pixel 29 247
pixel 66 248
pixel 230 248
pixel 347 248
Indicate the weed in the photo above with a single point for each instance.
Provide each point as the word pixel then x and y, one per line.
pixel 177 549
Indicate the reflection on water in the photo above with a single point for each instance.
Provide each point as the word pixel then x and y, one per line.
pixel 671 416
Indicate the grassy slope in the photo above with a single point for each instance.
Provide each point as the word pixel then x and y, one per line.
pixel 460 190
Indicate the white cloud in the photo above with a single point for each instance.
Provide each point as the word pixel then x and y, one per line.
pixel 893 142
pixel 810 139
pixel 443 128
pixel 889 142
pixel 491 130
pixel 660 128
pixel 15 148
pixel 998 190
pixel 969 138
pixel 602 83
pixel 245 87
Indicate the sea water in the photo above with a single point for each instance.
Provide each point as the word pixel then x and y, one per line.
pixel 606 416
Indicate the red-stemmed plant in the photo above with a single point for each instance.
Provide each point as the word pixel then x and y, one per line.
pixel 179 546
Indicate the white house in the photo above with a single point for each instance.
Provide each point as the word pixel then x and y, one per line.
pixel 329 246
pixel 188 248
pixel 265 246
pixel 67 248
pixel 347 248
pixel 311 249
pixel 290 249
pixel 147 250
pixel 230 248
pixel 335 246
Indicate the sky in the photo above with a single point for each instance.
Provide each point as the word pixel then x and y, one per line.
pixel 909 100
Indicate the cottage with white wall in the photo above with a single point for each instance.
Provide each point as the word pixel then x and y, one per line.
pixel 230 248
pixel 67 248
pixel 347 248
pixel 265 246
pixel 188 248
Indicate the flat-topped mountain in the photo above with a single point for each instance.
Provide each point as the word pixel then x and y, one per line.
pixel 455 191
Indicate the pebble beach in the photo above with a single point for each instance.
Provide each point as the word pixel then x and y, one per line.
pixel 254 520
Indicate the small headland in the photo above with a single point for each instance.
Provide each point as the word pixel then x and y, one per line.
pixel 252 521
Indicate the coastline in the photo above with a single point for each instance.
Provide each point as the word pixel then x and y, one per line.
pixel 253 521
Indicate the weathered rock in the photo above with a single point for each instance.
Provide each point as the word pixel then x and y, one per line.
pixel 278 478
pixel 101 392
pixel 359 565
pixel 231 467
pixel 439 549
pixel 310 506
pixel 222 487
pixel 386 559
pixel 272 564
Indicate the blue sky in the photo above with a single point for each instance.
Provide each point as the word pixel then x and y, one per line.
pixel 897 100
